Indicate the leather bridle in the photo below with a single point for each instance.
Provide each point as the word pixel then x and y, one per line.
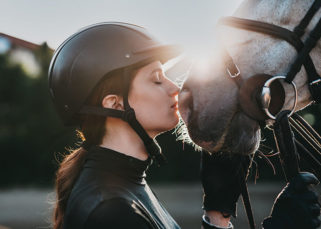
pixel 255 93
pixel 303 58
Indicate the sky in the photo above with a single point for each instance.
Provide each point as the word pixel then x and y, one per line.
pixel 190 23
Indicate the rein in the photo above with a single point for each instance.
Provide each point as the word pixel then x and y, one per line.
pixel 291 150
pixel 257 102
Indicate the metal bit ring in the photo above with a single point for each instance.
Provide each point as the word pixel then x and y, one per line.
pixel 266 96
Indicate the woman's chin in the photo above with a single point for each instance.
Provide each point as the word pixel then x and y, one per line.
pixel 173 123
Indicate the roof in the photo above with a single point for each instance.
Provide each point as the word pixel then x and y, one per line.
pixel 19 42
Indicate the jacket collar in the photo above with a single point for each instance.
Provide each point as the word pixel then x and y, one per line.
pixel 117 163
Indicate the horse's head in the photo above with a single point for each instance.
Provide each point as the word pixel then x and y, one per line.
pixel 208 101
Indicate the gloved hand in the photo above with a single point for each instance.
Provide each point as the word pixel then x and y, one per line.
pixel 220 176
pixel 296 206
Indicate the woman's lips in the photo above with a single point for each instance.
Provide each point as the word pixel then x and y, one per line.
pixel 175 106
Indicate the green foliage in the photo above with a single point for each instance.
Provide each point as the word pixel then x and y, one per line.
pixel 30 131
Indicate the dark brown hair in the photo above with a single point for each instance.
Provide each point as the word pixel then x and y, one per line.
pixel 92 130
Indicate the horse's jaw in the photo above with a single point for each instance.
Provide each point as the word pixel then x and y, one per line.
pixel 237 134
pixel 242 136
pixel 215 122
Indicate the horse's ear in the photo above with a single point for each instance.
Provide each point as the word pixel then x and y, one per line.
pixel 250 97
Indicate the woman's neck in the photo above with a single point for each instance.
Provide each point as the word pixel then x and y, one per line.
pixel 122 138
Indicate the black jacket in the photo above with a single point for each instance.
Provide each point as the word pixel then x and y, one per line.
pixel 111 192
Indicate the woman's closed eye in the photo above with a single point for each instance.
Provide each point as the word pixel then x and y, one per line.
pixel 158 77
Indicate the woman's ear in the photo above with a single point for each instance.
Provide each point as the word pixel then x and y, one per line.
pixel 113 102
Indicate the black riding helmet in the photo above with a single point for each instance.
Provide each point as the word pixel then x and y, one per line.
pixel 87 56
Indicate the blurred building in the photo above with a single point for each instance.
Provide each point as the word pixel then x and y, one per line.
pixel 21 52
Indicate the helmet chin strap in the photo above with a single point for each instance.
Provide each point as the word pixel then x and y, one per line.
pixel 129 116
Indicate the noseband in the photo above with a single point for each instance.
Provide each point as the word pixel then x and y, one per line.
pixel 255 93
pixel 264 98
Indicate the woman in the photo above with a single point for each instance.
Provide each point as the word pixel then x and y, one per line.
pixel 108 79
pixel 96 73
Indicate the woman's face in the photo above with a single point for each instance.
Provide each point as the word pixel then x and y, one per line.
pixel 154 98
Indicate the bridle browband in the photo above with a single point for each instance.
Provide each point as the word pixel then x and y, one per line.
pixel 249 89
pixel 292 37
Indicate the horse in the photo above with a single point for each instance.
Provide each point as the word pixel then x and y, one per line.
pixel 209 100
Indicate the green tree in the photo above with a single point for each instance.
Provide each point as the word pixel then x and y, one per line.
pixel 30 131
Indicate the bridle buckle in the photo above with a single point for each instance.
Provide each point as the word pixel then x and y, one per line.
pixel 315 90
pixel 236 74
pixel 315 82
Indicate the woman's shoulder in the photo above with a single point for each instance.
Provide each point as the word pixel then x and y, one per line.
pixel 117 212
pixel 87 194
pixel 95 209
pixel 95 204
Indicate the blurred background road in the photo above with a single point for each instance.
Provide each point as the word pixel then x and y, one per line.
pixel 31 208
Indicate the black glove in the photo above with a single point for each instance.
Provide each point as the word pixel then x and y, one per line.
pixel 220 175
pixel 296 206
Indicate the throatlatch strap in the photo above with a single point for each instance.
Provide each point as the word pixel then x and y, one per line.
pixel 309 44
pixel 300 28
pixel 313 78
